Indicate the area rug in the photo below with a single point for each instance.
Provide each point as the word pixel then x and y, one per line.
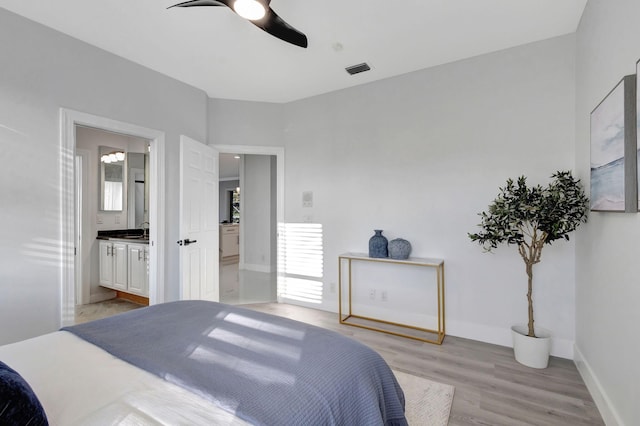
pixel 427 403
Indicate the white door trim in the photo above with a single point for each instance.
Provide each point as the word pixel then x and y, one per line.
pixel 68 120
pixel 82 287
pixel 278 151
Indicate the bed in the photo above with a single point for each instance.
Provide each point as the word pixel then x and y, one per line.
pixel 197 362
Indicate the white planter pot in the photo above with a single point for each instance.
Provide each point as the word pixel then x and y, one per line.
pixel 531 351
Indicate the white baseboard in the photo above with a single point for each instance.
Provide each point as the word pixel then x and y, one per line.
pixel 101 297
pixel 608 413
pixel 256 268
pixel 560 347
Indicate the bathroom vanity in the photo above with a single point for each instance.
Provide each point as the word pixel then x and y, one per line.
pixel 124 264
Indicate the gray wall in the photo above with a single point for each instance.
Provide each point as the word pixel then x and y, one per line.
pixel 245 123
pixel 258 208
pixel 43 70
pixel 607 250
pixel 419 156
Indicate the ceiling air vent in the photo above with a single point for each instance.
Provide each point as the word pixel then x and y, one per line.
pixel 355 69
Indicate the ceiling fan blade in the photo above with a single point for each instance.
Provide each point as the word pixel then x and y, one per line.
pixel 277 27
pixel 201 3
pixel 271 22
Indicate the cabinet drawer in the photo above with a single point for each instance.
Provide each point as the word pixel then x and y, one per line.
pixel 229 230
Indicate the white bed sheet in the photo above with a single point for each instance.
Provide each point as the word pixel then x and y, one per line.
pixel 78 383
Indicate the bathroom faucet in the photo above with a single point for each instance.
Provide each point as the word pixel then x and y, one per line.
pixel 145 230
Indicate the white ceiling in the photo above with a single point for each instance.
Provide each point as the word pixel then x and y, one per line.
pixel 229 166
pixel 217 51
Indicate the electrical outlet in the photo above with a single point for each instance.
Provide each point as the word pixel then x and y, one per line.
pixel 372 294
pixel 383 295
pixel 332 287
pixel 117 219
pixel 99 219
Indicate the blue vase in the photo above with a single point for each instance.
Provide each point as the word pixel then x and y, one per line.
pixel 378 245
pixel 399 249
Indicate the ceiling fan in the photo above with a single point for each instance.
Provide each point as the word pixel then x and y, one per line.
pixel 260 14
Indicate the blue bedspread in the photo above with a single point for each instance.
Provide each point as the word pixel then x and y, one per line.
pixel 266 369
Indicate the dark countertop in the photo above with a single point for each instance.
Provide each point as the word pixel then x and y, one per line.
pixel 124 235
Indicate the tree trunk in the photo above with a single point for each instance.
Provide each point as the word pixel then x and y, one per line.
pixel 530 297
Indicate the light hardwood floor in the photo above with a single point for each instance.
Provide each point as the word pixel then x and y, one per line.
pixel 104 309
pixel 491 387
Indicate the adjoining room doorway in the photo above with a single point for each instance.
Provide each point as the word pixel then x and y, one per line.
pixel 252 276
pixel 70 231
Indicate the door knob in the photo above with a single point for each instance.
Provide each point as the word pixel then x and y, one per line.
pixel 186 242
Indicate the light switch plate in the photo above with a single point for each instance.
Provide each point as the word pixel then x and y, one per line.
pixel 307 199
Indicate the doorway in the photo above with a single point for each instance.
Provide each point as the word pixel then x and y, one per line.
pixel 111 196
pixel 70 234
pixel 258 265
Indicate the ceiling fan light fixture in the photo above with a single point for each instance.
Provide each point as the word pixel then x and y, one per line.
pixel 252 10
pixel 260 14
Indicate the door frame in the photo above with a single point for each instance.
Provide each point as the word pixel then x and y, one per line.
pixel 69 119
pixel 82 157
pixel 278 152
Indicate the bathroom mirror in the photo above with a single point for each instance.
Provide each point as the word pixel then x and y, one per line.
pixel 138 189
pixel 111 192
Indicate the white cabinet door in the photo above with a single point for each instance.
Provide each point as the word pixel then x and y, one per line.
pixel 106 264
pixel 120 271
pixel 230 245
pixel 138 272
pixel 229 240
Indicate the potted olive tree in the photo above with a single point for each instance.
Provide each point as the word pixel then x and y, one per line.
pixel 529 218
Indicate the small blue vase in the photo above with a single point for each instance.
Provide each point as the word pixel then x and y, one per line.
pixel 378 245
pixel 399 249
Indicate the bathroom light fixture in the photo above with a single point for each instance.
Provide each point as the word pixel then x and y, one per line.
pixel 113 157
pixel 237 157
pixel 252 10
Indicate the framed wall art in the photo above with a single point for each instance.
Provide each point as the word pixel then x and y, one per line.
pixel 637 125
pixel 614 150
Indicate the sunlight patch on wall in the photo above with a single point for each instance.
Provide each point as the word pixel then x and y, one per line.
pixel 303 262
pixel 44 251
pixel 12 130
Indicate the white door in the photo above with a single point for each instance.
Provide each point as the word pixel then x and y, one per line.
pixel 198 221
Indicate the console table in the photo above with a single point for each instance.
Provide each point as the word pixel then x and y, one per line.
pixel 405 330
